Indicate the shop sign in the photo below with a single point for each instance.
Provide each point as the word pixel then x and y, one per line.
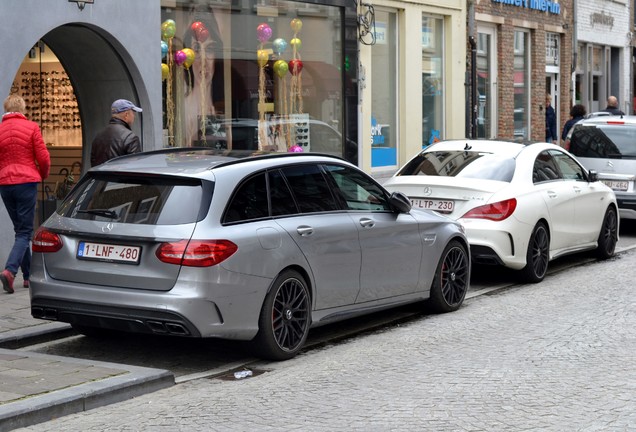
pixel 550 6
pixel 602 19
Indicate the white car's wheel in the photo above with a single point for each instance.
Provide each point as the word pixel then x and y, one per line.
pixel 537 256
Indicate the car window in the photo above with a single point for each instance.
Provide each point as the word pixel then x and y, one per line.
pixel 465 164
pixel 545 168
pixel 310 188
pixel 603 141
pixel 358 191
pixel 249 201
pixel 570 170
pixel 281 197
pixel 137 199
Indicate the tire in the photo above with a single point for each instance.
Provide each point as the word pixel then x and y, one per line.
pixel 451 280
pixel 608 236
pixel 538 255
pixel 285 318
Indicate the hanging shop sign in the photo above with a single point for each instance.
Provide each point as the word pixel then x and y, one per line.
pixel 549 6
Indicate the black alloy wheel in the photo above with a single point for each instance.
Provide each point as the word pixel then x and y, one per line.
pixel 452 278
pixel 537 256
pixel 608 236
pixel 285 318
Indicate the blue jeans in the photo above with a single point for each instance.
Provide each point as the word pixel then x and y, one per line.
pixel 19 201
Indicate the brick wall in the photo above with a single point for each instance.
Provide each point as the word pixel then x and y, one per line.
pixel 509 18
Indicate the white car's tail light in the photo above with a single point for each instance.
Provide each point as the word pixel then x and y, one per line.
pixel 496 212
pixel 46 241
pixel 196 253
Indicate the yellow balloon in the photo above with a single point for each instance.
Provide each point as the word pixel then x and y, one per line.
pixel 262 57
pixel 190 56
pixel 165 71
pixel 296 43
pixel 296 24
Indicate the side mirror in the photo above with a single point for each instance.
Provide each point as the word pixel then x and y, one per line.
pixel 400 202
pixel 592 176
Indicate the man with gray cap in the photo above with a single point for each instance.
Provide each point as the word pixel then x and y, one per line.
pixel 116 139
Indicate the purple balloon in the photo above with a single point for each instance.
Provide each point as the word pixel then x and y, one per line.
pixel 263 32
pixel 295 149
pixel 180 57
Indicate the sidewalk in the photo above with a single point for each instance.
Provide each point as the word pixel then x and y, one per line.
pixel 35 387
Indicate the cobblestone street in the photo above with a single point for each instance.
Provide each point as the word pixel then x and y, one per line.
pixel 556 356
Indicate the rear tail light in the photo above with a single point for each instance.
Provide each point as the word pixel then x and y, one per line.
pixel 196 253
pixel 46 241
pixel 496 212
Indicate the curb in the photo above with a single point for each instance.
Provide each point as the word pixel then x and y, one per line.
pixel 134 381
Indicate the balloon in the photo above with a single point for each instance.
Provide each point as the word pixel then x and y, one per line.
pixel 168 29
pixel 190 56
pixel 180 57
pixel 296 43
pixel 195 26
pixel 279 45
pixel 164 49
pixel 296 24
pixel 165 71
pixel 262 57
pixel 295 149
pixel 202 34
pixel 281 68
pixel 263 32
pixel 295 66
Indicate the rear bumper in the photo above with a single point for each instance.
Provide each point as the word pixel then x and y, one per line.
pixel 626 205
pixel 227 310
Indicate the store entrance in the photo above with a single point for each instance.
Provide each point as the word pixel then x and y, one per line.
pixel 69 79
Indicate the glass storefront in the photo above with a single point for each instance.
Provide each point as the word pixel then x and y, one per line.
pixel 432 79
pixel 255 75
pixel 384 91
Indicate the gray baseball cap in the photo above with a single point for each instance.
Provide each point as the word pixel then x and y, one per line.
pixel 121 105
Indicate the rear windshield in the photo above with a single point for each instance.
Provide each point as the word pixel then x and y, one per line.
pixel 604 141
pixel 477 165
pixel 140 199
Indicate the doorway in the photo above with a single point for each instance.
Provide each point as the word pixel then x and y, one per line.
pixel 552 88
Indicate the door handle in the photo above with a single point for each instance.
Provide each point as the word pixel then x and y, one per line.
pixel 552 194
pixel 577 189
pixel 367 223
pixel 305 230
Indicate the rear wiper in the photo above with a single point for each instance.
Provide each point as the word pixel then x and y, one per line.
pixel 101 212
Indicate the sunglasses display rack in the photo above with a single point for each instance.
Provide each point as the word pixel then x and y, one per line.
pixel 50 99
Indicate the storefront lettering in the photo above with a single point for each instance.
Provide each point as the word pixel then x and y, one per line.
pixel 550 6
pixel 602 19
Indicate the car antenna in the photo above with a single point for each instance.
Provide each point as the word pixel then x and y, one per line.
pixel 467 147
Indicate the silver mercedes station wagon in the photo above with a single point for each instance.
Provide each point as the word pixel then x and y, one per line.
pixel 195 243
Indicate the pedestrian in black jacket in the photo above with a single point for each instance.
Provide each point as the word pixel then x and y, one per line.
pixel 116 139
pixel 612 106
pixel 577 113
pixel 551 134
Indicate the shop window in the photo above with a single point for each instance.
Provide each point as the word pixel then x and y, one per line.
pixel 432 79
pixel 521 85
pixel 552 49
pixel 253 76
pixel 486 72
pixel 384 91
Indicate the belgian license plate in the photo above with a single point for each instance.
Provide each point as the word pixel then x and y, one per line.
pixel 109 252
pixel 442 206
pixel 617 185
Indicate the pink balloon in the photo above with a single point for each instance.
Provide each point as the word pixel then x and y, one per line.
pixel 295 149
pixel 180 57
pixel 263 32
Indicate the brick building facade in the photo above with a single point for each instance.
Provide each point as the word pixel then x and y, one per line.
pixel 524 52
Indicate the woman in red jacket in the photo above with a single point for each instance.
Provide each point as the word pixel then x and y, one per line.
pixel 24 162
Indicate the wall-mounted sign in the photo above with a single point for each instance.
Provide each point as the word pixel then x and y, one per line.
pixel 602 19
pixel 550 6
